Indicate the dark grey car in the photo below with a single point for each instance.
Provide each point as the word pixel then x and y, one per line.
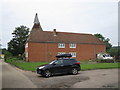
pixel 60 66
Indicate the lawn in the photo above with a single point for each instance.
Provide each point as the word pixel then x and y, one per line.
pixel 28 65
pixel 31 66
pixel 100 66
pixel 84 65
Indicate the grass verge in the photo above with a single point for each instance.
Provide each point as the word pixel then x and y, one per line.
pixel 99 66
pixel 31 66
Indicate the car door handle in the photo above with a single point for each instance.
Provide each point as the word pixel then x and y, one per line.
pixel 61 65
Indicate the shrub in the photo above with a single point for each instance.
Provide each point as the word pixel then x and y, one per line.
pixel 10 60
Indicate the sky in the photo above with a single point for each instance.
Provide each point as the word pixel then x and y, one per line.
pixel 79 16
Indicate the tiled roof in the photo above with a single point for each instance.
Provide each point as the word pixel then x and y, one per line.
pixel 37 35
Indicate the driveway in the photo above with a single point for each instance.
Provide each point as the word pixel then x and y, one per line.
pixel 102 78
pixel 17 78
pixel 13 78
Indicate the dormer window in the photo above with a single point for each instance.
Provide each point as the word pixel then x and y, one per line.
pixel 61 45
pixel 72 45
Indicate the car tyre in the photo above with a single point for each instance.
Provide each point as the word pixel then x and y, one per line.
pixel 47 74
pixel 74 71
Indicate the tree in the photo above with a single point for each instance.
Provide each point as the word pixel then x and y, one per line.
pixel 17 45
pixel 105 41
pixel 114 51
pixel 99 36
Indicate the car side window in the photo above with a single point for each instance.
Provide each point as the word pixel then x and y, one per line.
pixel 72 61
pixel 66 62
pixel 59 62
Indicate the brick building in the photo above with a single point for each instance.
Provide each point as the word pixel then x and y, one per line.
pixel 45 45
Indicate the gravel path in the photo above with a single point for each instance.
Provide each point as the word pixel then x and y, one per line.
pixel 102 78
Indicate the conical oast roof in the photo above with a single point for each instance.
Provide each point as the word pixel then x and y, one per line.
pixel 37 35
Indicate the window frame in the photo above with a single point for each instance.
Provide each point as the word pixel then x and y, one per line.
pixel 72 45
pixel 61 45
pixel 60 53
pixel 74 54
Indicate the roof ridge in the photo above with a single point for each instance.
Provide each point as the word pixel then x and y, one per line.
pixel 69 32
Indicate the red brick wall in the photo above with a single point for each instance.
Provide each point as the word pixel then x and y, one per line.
pixel 47 51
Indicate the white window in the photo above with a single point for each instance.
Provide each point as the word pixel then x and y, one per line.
pixel 61 53
pixel 26 46
pixel 61 45
pixel 72 45
pixel 26 54
pixel 73 54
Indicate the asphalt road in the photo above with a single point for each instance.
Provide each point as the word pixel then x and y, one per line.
pixel 100 78
pixel 13 78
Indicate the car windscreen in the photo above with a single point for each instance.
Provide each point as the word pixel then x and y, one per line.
pixel 52 62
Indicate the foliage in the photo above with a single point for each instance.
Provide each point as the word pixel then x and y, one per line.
pixel 22 57
pixel 7 54
pixel 100 36
pixel 17 45
pixel 115 52
pixel 105 60
pixel 105 41
pixel 10 60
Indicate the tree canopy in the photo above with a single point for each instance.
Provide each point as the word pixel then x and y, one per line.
pixel 114 51
pixel 17 45
pixel 105 41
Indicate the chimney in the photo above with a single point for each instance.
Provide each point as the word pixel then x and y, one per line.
pixel 54 32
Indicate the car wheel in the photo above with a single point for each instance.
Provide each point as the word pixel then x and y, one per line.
pixel 74 71
pixel 47 73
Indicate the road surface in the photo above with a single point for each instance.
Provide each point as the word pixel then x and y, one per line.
pixel 17 78
pixel 100 78
pixel 13 78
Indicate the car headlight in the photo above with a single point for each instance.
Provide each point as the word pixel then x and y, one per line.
pixel 41 67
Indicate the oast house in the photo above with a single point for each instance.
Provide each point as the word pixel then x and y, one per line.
pixel 43 46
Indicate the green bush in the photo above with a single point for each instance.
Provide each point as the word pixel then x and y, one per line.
pixel 12 59
pixel 7 54
pixel 105 60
